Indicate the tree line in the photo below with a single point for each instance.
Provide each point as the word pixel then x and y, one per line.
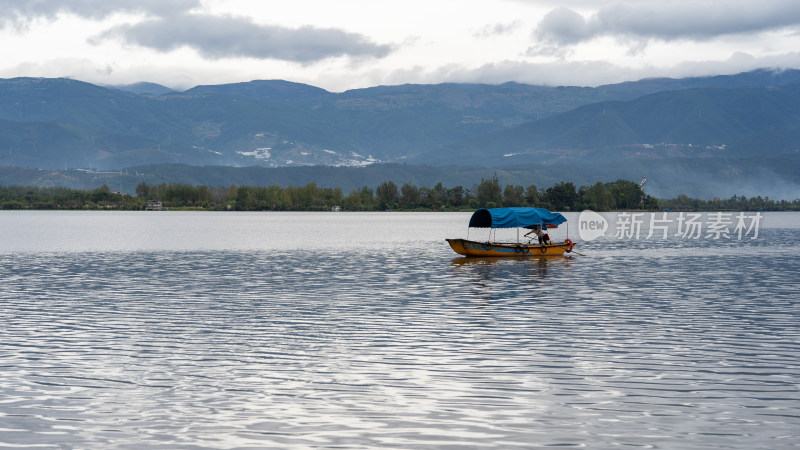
pixel 735 203
pixel 564 196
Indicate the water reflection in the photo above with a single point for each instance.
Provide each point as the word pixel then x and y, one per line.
pixel 521 278
pixel 537 266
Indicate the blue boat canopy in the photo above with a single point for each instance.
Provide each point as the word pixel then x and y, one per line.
pixel 514 218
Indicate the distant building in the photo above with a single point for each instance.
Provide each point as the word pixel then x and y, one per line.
pixel 154 205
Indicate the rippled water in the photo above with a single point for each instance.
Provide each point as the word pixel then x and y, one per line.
pixel 192 330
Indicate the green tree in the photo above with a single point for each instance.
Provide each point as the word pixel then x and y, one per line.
pixel 562 197
pixel 437 197
pixel 244 198
pixel 532 195
pixel 367 198
pixel 353 201
pixel 489 193
pixel 142 190
pixel 409 196
pixel 627 194
pixel 386 195
pixel 513 196
pixel 598 197
pixel 456 196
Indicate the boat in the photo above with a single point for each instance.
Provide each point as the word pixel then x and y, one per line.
pixel 519 218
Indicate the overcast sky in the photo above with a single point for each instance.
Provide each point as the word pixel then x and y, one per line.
pixel 347 44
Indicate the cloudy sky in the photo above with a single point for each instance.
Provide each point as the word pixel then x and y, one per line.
pixel 346 44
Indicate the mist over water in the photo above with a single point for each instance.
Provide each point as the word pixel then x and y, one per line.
pixel 366 331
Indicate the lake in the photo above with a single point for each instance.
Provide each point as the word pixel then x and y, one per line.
pixel 365 330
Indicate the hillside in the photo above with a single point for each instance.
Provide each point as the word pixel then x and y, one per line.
pixel 700 122
pixel 775 177
pixel 705 137
pixel 57 123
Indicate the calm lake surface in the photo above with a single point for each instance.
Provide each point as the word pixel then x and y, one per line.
pixel 188 330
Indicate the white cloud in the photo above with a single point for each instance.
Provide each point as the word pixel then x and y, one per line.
pixel 594 73
pixel 359 43
pixel 498 29
pixel 667 21
pixel 17 11
pixel 216 37
pixel 564 26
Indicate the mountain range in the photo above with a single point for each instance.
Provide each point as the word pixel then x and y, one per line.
pixel 648 126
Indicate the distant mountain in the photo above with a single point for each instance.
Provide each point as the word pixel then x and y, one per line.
pixel 58 123
pixel 700 122
pixel 143 88
pixel 278 123
pixel 756 78
pixel 264 90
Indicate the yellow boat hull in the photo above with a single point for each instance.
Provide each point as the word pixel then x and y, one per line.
pixel 475 248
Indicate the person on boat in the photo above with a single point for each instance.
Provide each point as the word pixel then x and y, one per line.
pixel 544 238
